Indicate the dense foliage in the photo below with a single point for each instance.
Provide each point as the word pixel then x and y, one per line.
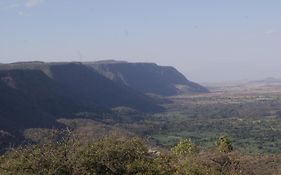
pixel 185 147
pixel 113 155
pixel 224 144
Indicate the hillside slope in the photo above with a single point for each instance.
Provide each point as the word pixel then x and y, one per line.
pixel 36 94
pixel 92 89
pixel 28 98
pixel 148 77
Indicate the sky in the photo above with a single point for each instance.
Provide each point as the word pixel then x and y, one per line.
pixel 207 40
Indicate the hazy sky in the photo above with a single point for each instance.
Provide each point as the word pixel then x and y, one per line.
pixel 207 40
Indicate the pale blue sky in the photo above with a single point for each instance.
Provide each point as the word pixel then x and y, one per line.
pixel 208 40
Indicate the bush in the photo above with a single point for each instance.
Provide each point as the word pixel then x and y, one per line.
pixel 224 144
pixel 114 155
pixel 185 147
pixel 108 156
pixel 56 159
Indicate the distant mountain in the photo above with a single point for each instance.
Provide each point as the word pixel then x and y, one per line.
pixel 147 77
pixel 269 80
pixel 36 94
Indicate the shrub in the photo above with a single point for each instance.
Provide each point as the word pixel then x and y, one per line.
pixel 224 144
pixel 185 147
pixel 108 156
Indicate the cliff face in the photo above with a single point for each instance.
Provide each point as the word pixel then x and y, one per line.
pixel 148 77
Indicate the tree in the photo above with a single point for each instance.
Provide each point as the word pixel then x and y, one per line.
pixel 224 144
pixel 185 147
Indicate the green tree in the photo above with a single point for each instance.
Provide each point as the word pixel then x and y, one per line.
pixel 184 147
pixel 224 144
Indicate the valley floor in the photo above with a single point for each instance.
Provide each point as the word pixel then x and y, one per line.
pixel 249 114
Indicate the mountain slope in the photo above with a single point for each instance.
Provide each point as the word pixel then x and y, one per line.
pixel 36 94
pixel 148 77
pixel 92 89
pixel 29 98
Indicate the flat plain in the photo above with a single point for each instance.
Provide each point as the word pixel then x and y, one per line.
pixel 249 113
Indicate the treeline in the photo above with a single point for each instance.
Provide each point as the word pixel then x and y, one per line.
pixel 119 155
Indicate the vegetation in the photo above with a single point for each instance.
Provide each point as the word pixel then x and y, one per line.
pixel 126 155
pixel 113 155
pixel 250 118
pixel 185 147
pixel 224 144
pixel 116 155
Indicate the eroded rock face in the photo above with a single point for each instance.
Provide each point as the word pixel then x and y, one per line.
pixel 148 77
